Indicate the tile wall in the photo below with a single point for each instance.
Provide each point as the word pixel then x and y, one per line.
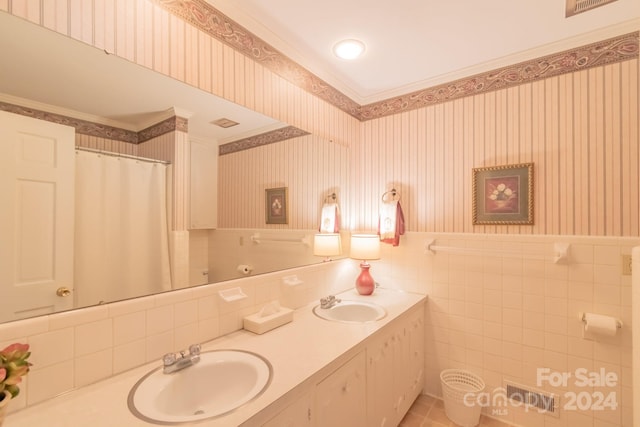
pixel 503 317
pixel 73 349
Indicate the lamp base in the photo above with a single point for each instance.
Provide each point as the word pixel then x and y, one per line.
pixel 365 283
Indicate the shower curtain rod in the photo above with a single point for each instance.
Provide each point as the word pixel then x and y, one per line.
pixel 126 156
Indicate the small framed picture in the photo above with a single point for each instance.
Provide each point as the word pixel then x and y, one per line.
pixel 276 205
pixel 503 194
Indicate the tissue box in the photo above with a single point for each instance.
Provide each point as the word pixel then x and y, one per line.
pixel 259 324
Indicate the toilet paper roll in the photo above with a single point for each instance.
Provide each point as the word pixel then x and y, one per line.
pixel 245 269
pixel 599 324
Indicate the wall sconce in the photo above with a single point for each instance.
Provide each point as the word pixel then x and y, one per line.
pixel 365 247
pixel 327 245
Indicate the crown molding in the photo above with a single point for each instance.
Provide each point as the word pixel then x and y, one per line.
pixel 605 52
pixel 610 32
pixel 60 111
pixel 91 125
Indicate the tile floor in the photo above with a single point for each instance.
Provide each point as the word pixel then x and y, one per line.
pixel 428 411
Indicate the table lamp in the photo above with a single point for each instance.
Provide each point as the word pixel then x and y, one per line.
pixel 327 245
pixel 365 247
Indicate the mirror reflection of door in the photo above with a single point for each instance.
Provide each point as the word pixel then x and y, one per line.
pixel 36 216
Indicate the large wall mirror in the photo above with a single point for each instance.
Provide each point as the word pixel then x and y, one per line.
pixel 48 72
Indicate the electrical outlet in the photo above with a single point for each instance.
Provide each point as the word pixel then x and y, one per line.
pixel 626 265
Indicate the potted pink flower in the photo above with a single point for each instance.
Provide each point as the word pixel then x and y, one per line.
pixel 13 366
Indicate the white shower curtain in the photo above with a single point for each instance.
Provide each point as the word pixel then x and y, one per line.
pixel 121 236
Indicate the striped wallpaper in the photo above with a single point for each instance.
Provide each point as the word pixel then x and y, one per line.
pixel 580 129
pixel 310 167
pixel 143 32
pixel 105 144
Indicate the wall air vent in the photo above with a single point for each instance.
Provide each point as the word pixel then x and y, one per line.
pixel 224 123
pixel 575 7
pixel 544 402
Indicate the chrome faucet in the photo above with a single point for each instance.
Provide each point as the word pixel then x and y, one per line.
pixel 173 362
pixel 329 301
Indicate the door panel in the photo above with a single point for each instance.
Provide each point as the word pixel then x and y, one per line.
pixel 36 216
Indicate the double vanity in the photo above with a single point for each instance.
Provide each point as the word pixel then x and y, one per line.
pixel 356 361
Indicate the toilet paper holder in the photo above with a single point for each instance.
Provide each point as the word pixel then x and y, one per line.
pixel 583 317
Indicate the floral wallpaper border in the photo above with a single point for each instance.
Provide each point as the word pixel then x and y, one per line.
pixel 85 127
pixel 168 125
pixel 270 137
pixel 208 19
pixel 612 50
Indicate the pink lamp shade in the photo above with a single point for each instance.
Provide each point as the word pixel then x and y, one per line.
pixel 327 245
pixel 365 247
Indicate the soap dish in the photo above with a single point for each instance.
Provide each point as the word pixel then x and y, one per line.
pixel 259 324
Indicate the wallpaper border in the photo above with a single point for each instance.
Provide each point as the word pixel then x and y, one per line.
pixel 270 137
pixel 213 22
pixel 85 127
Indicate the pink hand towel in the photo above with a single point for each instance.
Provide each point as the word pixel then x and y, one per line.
pixel 391 223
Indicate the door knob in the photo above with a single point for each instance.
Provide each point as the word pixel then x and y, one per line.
pixel 63 291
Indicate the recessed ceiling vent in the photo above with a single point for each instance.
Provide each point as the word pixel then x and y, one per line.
pixel 224 123
pixel 575 7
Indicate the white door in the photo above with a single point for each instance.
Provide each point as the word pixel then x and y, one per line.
pixel 36 216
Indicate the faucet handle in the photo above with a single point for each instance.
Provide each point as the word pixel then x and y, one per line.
pixel 194 349
pixel 169 359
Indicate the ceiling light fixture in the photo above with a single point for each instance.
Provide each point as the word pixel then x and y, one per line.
pixel 348 49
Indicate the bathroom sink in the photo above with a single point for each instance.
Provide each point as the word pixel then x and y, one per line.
pixel 220 382
pixel 351 311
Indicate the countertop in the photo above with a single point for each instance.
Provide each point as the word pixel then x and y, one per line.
pixel 306 348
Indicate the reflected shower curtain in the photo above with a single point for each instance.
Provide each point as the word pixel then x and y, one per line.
pixel 121 236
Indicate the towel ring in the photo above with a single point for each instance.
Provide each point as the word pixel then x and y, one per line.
pixel 393 193
pixel 331 196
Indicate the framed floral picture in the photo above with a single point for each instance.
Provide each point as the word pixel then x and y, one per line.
pixel 503 194
pixel 276 205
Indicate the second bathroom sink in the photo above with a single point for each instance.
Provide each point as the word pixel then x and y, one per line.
pixel 351 311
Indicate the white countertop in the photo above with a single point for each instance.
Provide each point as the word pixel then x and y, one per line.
pixel 297 351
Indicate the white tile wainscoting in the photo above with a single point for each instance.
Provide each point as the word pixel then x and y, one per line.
pixel 77 348
pixel 501 317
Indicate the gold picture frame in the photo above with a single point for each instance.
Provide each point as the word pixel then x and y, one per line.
pixel 276 205
pixel 503 195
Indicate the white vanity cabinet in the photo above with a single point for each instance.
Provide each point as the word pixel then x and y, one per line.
pixel 395 370
pixel 415 362
pixel 203 185
pixel 337 400
pixel 375 388
pixel 341 398
pixel 299 414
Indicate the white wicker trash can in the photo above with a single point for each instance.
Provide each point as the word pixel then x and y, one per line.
pixel 456 384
